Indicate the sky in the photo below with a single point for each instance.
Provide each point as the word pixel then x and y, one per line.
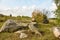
pixel 25 7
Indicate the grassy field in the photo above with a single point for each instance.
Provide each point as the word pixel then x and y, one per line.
pixel 47 34
pixel 45 29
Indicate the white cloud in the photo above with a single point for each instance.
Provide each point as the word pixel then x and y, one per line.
pixel 27 10
pixel 53 7
pixel 24 10
pixel 3 7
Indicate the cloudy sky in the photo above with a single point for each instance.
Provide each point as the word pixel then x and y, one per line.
pixel 25 7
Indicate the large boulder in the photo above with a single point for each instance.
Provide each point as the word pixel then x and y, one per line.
pixel 56 32
pixel 9 26
pixel 33 27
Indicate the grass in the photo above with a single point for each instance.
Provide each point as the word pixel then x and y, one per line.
pixel 8 36
pixel 47 34
pixel 44 28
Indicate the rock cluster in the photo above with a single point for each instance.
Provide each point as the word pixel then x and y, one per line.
pixel 33 27
pixel 11 26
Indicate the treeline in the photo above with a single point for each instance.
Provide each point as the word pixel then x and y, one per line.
pixel 37 16
pixel 3 18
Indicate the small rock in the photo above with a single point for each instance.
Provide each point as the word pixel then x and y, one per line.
pixel 33 27
pixel 23 35
pixel 20 31
pixel 56 32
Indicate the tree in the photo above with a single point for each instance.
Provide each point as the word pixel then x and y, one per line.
pixel 57 2
pixel 45 20
pixel 10 15
pixel 39 17
pixel 57 12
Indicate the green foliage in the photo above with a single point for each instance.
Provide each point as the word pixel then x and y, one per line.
pixel 57 12
pixel 10 15
pixel 26 17
pixel 39 18
pixel 56 2
pixel 43 28
pixel 18 17
pixel 8 36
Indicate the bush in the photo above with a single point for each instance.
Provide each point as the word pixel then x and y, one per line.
pixel 39 17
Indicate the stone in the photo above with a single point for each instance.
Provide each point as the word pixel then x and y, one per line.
pixel 9 26
pixel 23 24
pixel 23 35
pixel 33 27
pixel 56 32
pixel 12 26
pixel 21 31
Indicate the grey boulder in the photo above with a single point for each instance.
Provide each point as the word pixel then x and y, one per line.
pixel 9 26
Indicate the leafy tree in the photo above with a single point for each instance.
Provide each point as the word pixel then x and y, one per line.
pixel 45 20
pixel 57 12
pixel 57 2
pixel 39 17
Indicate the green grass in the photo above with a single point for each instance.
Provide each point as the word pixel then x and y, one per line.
pixel 47 34
pixel 1 23
pixel 44 28
pixel 8 36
